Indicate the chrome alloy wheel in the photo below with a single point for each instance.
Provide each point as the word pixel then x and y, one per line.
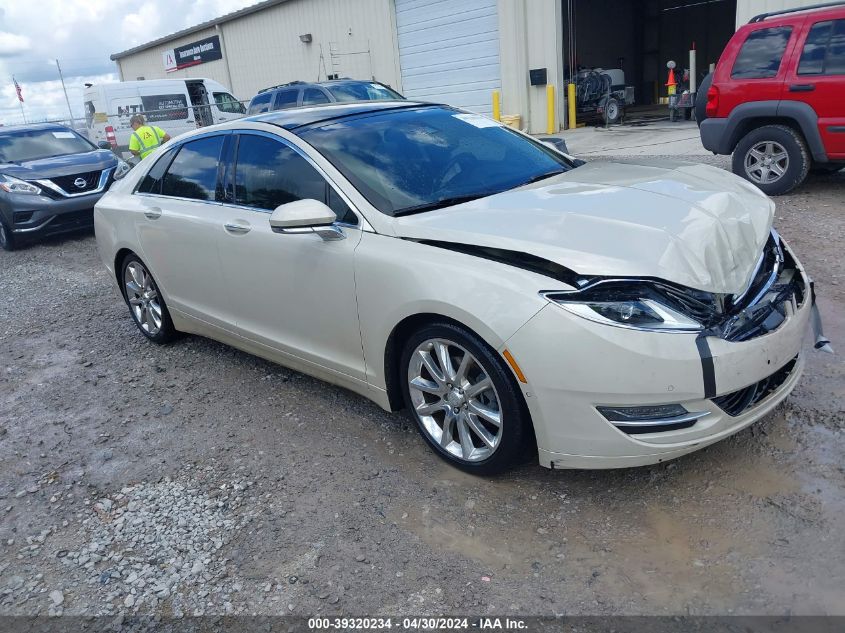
pixel 766 162
pixel 455 400
pixel 142 295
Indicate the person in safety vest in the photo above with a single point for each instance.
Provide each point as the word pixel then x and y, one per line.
pixel 145 138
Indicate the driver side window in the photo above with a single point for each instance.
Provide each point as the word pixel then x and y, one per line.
pixel 269 173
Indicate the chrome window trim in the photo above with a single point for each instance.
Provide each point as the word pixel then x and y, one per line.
pixel 105 174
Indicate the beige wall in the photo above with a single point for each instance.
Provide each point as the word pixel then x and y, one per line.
pixel 747 9
pixel 530 36
pixel 264 49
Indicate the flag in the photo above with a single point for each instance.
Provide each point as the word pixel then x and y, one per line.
pixel 18 90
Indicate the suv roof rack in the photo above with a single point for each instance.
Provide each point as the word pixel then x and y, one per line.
pixel 763 16
pixel 290 83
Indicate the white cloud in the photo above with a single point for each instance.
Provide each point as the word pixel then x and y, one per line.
pixel 13 44
pixel 82 34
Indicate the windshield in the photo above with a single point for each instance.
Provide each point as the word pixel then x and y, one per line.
pixel 405 161
pixel 363 92
pixel 24 145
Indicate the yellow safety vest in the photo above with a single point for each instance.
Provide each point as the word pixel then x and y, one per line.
pixel 146 139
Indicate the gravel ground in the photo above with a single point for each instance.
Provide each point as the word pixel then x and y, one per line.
pixel 196 479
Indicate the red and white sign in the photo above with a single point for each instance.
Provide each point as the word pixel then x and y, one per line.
pixel 169 59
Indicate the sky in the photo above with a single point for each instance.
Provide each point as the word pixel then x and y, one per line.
pixel 81 34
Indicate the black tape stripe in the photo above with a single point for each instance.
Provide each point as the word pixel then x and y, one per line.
pixel 708 371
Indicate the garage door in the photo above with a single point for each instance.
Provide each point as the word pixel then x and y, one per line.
pixel 449 51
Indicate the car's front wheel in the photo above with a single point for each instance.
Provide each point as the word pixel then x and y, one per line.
pixel 773 157
pixel 7 238
pixel 464 399
pixel 145 302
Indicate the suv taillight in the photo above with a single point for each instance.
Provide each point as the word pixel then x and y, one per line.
pixel 712 101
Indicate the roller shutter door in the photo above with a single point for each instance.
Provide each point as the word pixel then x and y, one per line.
pixel 449 51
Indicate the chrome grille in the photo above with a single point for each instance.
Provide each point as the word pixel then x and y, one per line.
pixel 78 183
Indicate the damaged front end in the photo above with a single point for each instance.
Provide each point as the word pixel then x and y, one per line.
pixel 777 289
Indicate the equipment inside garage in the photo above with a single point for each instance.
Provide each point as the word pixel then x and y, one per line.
pixel 616 51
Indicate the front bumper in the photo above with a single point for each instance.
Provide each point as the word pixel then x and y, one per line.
pixel 573 366
pixel 29 217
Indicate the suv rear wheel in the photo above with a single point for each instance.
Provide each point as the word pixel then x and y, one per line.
pixel 773 157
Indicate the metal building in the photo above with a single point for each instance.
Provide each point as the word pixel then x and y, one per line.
pixel 453 51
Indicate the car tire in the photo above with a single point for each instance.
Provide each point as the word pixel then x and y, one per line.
pixel 145 302
pixel 7 238
pixel 784 148
pixel 701 99
pixel 445 404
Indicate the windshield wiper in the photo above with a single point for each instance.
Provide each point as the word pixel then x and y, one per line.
pixel 444 202
pixel 548 174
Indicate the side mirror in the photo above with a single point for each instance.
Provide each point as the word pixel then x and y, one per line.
pixel 306 216
pixel 104 145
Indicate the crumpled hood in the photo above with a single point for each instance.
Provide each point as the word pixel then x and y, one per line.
pixel 694 225
pixel 60 165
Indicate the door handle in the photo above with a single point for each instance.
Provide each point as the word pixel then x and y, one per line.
pixel 152 213
pixel 802 87
pixel 236 229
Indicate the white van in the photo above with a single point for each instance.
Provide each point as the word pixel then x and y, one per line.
pixel 174 105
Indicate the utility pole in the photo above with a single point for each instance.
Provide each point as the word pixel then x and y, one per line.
pixel 69 110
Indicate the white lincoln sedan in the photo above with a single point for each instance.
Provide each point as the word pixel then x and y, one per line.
pixel 515 301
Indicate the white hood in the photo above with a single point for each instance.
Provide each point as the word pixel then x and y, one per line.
pixel 694 225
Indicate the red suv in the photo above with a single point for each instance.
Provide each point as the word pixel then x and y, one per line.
pixel 776 100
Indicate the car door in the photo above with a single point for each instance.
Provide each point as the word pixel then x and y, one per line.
pixel 293 292
pixel 818 79
pixel 178 223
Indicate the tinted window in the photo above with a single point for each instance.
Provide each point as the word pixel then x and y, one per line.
pixel 340 208
pixel 151 183
pixel 269 173
pixel 286 99
pixel 413 160
pixel 314 96
pixel 260 103
pixel 22 145
pixel 227 103
pixel 363 92
pixel 193 173
pixel 824 51
pixel 761 54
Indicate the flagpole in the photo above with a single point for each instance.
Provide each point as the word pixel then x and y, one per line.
pixel 70 112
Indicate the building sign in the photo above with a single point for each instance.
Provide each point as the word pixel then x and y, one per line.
pixel 207 50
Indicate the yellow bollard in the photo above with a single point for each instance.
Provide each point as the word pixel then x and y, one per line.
pixel 571 101
pixel 497 105
pixel 550 109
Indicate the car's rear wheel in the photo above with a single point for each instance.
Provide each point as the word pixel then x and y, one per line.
pixel 773 157
pixel 464 399
pixel 146 305
pixel 7 238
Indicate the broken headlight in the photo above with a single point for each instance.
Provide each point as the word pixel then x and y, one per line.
pixel 638 307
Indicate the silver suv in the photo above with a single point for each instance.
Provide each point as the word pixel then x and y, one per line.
pixel 299 93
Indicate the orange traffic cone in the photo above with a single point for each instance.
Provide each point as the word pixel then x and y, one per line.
pixel 671 83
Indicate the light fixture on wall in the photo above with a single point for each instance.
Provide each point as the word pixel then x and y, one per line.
pixel 305 39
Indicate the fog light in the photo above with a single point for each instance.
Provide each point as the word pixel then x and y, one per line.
pixel 659 412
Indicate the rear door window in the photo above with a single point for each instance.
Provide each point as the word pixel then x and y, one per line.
pixel 824 50
pixel 286 99
pixel 314 96
pixel 761 54
pixel 260 103
pixel 194 172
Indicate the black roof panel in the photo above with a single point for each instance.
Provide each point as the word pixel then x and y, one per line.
pixel 293 118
